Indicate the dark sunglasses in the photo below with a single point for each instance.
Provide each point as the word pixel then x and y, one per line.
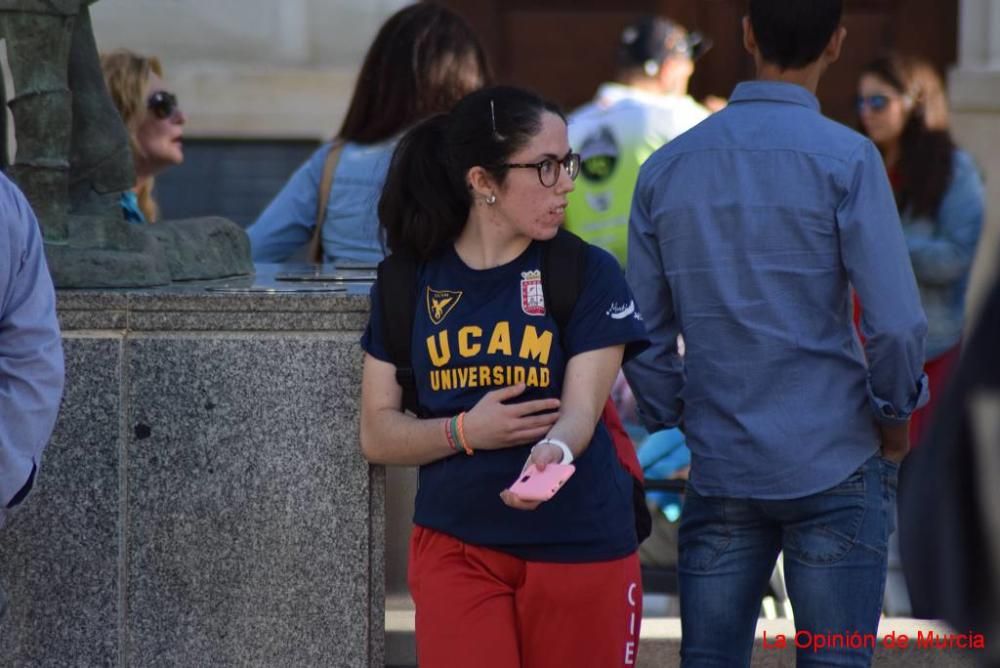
pixel 162 104
pixel 873 102
pixel 549 168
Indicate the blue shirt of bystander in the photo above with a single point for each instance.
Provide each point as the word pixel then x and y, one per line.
pixel 31 359
pixel 746 235
pixel 130 208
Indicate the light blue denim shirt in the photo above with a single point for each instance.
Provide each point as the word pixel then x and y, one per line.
pixel 31 357
pixel 746 235
pixel 350 232
pixel 942 249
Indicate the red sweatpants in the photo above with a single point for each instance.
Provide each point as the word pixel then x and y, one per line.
pixel 479 608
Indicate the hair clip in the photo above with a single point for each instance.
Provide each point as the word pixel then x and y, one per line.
pixel 493 119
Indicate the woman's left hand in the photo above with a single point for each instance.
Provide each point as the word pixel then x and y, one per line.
pixel 541 455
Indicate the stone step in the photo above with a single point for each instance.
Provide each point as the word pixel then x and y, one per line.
pixel 659 644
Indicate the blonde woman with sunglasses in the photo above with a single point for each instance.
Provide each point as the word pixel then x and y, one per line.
pixel 154 121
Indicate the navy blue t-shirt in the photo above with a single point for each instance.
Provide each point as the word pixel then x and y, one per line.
pixel 480 330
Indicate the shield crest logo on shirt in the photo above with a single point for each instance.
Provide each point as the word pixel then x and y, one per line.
pixel 532 298
pixel 440 303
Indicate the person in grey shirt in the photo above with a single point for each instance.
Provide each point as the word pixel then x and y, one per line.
pixel 747 234
pixel 31 357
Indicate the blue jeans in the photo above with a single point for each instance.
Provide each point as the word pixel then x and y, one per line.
pixel 835 545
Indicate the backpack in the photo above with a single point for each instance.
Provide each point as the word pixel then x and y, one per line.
pixel 563 266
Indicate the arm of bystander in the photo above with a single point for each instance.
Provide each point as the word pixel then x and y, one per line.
pixel 31 358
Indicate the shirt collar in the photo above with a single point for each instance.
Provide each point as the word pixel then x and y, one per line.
pixel 773 91
pixel 130 207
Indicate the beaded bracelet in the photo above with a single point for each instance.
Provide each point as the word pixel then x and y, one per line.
pixel 461 433
pixel 451 439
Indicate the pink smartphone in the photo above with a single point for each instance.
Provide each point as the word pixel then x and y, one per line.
pixel 535 485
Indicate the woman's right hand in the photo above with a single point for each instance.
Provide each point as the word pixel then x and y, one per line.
pixel 494 425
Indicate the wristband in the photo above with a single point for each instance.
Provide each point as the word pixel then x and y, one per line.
pixel 567 454
pixel 448 434
pixel 460 421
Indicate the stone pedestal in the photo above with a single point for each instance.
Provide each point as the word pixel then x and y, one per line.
pixel 203 501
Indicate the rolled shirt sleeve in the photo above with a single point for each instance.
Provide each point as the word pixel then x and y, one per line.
pixel 877 262
pixel 31 357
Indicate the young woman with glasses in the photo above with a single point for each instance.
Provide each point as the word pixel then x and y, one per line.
pixel 422 61
pixel 154 121
pixel 475 195
pixel 903 108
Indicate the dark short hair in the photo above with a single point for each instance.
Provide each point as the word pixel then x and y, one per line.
pixel 426 201
pixel 793 33
pixel 650 40
pixel 423 60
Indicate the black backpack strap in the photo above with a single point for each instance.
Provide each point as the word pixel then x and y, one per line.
pixel 397 284
pixel 564 259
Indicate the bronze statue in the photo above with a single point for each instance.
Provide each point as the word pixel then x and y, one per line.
pixel 65 146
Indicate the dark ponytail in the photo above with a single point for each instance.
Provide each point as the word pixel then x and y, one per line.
pixel 426 200
pixel 421 208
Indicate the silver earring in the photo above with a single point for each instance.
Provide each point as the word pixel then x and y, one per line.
pixel 491 199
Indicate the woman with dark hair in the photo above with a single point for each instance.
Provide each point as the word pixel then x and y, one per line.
pixel 423 60
pixel 903 109
pixel 475 196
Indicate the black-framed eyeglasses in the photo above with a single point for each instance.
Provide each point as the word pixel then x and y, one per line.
pixel 873 102
pixel 162 104
pixel 550 168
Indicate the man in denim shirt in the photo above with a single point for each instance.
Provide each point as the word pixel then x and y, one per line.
pixel 746 236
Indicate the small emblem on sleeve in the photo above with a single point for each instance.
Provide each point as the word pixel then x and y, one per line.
pixel 620 311
pixel 532 299
pixel 440 303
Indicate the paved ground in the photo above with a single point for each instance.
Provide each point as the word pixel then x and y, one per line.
pixel 660 642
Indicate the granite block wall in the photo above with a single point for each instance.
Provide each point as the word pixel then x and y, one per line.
pixel 203 500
